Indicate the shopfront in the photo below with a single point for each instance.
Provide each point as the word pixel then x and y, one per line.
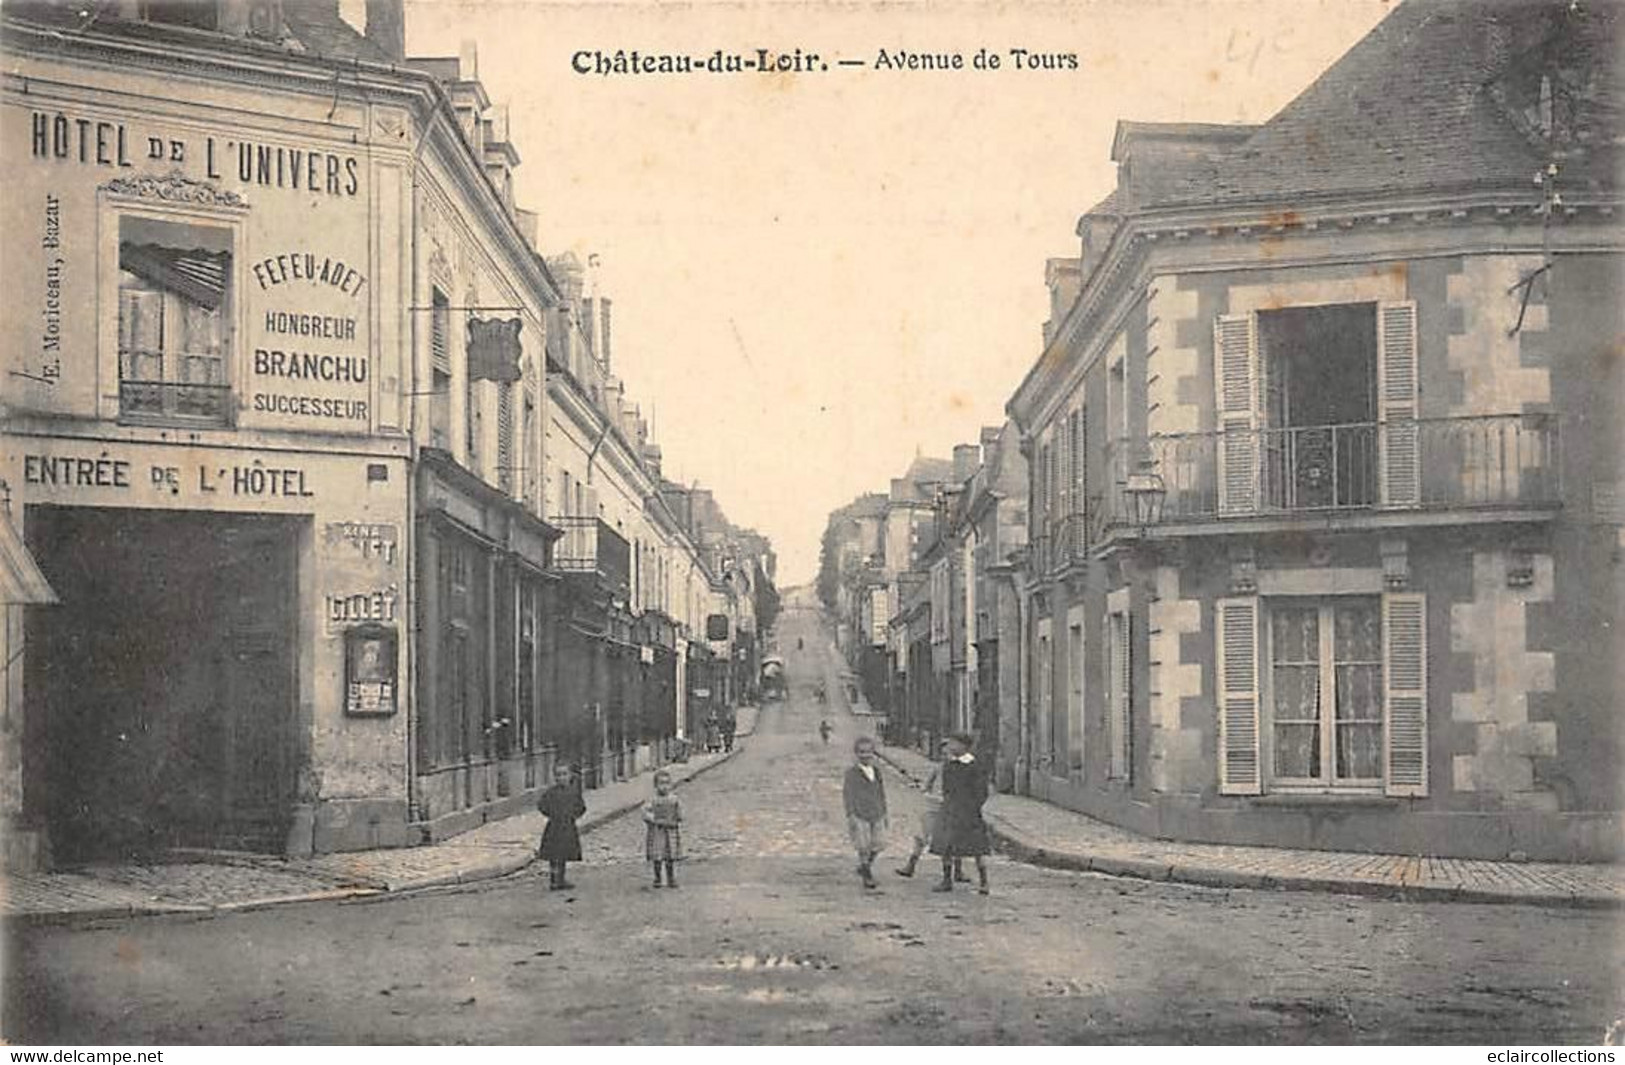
pixel 222 666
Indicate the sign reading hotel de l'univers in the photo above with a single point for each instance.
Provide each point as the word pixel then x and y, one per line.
pixel 299 331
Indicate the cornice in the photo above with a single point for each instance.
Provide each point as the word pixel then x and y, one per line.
pixel 1278 220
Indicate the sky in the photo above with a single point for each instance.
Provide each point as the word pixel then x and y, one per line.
pixel 819 275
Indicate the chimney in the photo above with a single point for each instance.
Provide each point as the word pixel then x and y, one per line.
pixel 603 330
pixel 386 28
pixel 990 435
pixel 966 458
pixel 651 458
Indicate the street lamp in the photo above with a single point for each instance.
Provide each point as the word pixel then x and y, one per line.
pixel 1146 492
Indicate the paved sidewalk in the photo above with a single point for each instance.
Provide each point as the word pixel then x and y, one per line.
pixel 1049 835
pixel 222 882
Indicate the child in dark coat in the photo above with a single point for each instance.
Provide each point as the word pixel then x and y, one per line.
pixel 562 805
pixel 864 793
pixel 961 832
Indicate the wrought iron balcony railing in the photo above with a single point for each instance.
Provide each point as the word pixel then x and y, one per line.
pixel 1490 461
pixel 589 545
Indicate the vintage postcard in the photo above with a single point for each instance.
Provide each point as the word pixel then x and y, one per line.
pixel 737 523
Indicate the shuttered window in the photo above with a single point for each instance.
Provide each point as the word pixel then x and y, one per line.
pixel 1399 455
pixel 1404 623
pixel 1235 348
pixel 1237 659
pixel 1341 686
pixel 1120 692
pixel 439 331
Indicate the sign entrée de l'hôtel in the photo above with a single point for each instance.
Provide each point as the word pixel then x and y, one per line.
pixel 306 345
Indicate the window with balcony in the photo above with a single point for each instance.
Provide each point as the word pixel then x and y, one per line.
pixel 174 322
pixel 1317 409
pixel 1317 369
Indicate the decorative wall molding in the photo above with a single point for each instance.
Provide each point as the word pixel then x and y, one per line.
pixel 174 187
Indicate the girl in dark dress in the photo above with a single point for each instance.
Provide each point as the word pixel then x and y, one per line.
pixel 562 805
pixel 961 832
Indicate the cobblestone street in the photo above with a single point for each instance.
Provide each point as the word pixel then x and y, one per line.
pixel 770 938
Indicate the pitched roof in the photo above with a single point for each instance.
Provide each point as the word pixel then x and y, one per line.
pixel 925 470
pixel 1439 95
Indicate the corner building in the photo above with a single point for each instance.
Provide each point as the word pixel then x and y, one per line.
pixel 226 336
pixel 1325 453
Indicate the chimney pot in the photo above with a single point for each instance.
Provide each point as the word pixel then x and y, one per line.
pixel 386 28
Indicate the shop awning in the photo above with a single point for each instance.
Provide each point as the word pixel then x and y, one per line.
pixel 20 578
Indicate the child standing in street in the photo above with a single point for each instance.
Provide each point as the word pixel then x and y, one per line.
pixel 865 795
pixel 961 832
pixel 663 838
pixel 562 805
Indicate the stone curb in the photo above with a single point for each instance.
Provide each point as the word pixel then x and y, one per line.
pixel 475 874
pixel 1010 841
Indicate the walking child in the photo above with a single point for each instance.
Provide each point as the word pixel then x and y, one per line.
pixel 824 730
pixel 562 805
pixel 930 817
pixel 865 795
pixel 961 832
pixel 929 826
pixel 663 837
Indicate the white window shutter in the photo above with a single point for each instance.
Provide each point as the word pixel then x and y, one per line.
pixel 1399 453
pixel 1237 658
pixel 1405 681
pixel 1235 377
pixel 1121 696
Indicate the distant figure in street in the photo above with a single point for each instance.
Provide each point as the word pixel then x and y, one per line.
pixel 824 730
pixel 713 733
pixel 823 696
pixel 730 725
pixel 562 805
pixel 663 836
pixel 961 832
pixel 800 646
pixel 865 795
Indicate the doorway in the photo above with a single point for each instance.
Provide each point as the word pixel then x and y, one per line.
pixel 161 690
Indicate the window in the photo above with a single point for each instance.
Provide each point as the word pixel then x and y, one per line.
pixel 1343 694
pixel 440 386
pixel 174 321
pixel 1326 692
pixel 193 13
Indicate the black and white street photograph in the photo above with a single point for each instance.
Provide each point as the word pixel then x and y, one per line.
pixel 741 523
